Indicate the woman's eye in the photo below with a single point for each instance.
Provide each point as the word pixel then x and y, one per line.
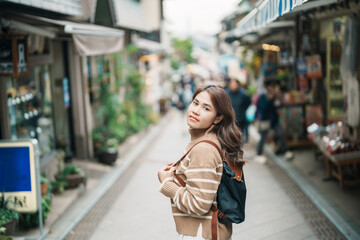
pixel 195 103
pixel 207 109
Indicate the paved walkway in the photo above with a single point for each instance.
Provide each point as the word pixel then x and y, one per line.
pixel 141 212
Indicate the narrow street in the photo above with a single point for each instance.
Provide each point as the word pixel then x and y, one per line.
pixel 134 208
pixel 92 102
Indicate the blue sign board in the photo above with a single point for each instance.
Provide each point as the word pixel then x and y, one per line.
pixel 19 173
pixel 15 169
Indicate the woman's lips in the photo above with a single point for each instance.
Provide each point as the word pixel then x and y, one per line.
pixel 194 119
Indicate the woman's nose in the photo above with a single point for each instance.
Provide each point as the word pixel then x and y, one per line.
pixel 195 110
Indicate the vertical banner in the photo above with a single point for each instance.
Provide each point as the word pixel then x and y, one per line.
pixel 22 65
pixel 14 61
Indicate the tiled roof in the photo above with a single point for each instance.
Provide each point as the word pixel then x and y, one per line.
pixel 129 14
pixel 68 7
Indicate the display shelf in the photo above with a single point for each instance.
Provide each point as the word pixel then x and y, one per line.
pixel 299 143
pixel 297 115
pixel 335 97
pixel 336 164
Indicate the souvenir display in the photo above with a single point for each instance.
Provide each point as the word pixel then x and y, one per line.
pixel 334 138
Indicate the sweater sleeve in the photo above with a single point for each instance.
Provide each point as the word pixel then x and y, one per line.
pixel 203 177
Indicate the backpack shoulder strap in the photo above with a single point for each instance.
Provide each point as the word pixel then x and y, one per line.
pixel 237 170
pixel 206 141
pixel 215 145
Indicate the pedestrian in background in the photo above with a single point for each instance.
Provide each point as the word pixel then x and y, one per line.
pixel 268 68
pixel 268 119
pixel 240 101
pixel 187 95
pixel 210 117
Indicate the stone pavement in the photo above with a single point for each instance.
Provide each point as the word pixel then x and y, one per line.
pixel 135 209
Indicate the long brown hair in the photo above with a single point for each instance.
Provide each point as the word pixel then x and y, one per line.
pixel 226 130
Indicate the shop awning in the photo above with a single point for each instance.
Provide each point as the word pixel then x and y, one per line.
pixel 267 12
pixel 270 10
pixel 248 23
pixel 146 44
pixel 312 4
pixel 89 39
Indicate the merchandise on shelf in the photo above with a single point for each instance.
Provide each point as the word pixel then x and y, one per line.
pixel 334 138
pixel 297 97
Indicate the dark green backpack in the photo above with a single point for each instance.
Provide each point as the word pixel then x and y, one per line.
pixel 231 196
pixel 231 193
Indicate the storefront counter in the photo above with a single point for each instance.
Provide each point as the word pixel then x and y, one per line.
pixel 345 167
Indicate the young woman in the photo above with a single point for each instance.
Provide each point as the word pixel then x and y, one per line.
pixel 210 116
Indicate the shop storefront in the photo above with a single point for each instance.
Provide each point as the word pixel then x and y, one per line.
pixel 321 106
pixel 50 102
pixel 29 95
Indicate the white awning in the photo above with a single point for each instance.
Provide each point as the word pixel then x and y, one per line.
pixel 148 45
pixel 89 39
pixel 92 45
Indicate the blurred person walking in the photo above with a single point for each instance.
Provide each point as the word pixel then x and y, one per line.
pixel 240 101
pixel 268 119
pixel 210 117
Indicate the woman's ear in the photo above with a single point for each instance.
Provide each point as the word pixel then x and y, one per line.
pixel 218 119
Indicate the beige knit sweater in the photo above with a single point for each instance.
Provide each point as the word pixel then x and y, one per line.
pixel 201 169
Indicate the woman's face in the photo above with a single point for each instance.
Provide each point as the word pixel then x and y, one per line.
pixel 201 112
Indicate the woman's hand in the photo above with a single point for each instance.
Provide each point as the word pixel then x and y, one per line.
pixel 170 164
pixel 166 172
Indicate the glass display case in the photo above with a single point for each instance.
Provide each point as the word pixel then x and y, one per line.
pixel 30 108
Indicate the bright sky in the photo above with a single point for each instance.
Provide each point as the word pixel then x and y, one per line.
pixel 187 17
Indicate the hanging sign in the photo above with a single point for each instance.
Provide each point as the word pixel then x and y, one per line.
pixel 66 92
pixel 19 175
pixel 303 82
pixel 313 69
pixel 14 61
pixel 301 65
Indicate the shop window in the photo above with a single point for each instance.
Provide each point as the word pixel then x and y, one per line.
pixel 30 108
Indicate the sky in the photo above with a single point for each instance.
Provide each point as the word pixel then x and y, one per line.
pixel 193 17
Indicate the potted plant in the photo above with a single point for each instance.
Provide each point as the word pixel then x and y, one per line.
pixel 72 175
pixel 45 185
pixel 108 131
pixel 121 110
pixel 58 185
pixel 105 145
pixel 8 217
pixel 31 220
pixel 63 143
pixel 109 151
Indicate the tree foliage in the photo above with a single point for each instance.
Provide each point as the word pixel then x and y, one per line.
pixel 182 52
